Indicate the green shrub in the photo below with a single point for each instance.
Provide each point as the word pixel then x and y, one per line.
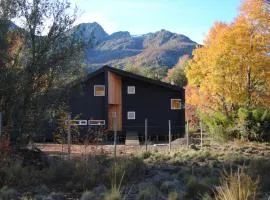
pixel 253 124
pixel 247 124
pixel 218 125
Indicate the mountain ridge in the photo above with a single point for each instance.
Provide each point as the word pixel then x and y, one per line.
pixel 120 49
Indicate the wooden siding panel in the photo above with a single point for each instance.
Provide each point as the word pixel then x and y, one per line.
pixel 118 109
pixel 114 100
pixel 114 88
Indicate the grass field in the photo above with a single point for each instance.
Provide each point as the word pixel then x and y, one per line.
pixel 182 173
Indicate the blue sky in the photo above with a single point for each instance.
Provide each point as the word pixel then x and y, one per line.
pixel 192 18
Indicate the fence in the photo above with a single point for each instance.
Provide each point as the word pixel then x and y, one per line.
pixel 147 129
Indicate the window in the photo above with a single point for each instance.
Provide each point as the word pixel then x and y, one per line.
pixel 175 104
pixel 131 115
pixel 131 89
pixel 96 122
pixel 99 90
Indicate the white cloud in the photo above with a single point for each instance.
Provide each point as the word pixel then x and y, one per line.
pixel 108 25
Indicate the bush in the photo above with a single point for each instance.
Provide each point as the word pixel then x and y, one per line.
pixel 238 186
pixel 253 124
pixel 246 124
pixel 218 125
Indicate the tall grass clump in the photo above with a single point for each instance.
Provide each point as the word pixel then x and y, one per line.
pixel 237 186
pixel 114 194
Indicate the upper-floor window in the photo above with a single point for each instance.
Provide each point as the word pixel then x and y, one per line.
pixel 131 89
pixel 131 115
pixel 175 104
pixel 99 90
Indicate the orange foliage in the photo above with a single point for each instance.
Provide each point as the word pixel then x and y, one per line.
pixel 232 68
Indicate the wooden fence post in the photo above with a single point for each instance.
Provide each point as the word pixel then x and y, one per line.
pixel 145 131
pixel 115 132
pixel 115 135
pixel 187 133
pixel 69 136
pixel 170 136
pixel 1 118
pixel 201 133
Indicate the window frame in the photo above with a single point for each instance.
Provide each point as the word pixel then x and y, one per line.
pixel 129 86
pixel 131 112
pixel 176 108
pixel 95 86
pixel 99 122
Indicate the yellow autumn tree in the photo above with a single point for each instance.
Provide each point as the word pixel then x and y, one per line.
pixel 232 68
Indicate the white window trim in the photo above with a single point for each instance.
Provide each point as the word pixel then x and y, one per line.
pixel 95 90
pixel 176 108
pixel 128 91
pixel 96 122
pixel 132 117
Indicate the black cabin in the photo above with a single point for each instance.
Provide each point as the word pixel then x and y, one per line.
pixel 133 98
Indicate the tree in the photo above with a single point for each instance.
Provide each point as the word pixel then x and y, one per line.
pixel 232 67
pixel 134 69
pixel 176 75
pixel 231 71
pixel 157 73
pixel 46 60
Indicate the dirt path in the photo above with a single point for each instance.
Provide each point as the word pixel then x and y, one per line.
pixel 108 149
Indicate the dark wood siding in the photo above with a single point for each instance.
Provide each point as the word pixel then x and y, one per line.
pixel 83 101
pixel 154 103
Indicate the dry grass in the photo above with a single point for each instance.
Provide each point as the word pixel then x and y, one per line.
pixel 237 186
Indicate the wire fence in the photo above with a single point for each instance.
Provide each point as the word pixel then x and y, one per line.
pixel 148 131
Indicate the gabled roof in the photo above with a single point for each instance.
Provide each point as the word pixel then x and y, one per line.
pixel 131 75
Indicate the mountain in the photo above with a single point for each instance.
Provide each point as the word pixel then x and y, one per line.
pixel 120 49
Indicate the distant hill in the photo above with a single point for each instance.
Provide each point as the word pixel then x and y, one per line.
pixel 120 49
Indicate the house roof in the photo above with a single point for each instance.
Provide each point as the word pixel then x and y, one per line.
pixel 130 75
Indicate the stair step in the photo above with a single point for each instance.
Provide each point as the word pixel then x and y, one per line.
pixel 132 138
